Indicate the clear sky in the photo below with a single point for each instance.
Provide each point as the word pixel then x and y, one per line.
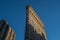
pixel 48 10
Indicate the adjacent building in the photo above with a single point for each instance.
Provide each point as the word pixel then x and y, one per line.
pixel 6 33
pixel 34 29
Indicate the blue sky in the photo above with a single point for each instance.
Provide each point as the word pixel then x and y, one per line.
pixel 48 10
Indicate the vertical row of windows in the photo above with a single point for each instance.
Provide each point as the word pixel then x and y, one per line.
pixel 3 29
pixel 1 26
pixel 10 35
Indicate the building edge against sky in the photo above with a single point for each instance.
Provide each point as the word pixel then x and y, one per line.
pixel 7 33
pixel 32 20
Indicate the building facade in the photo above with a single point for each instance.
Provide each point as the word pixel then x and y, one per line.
pixel 34 27
pixel 6 33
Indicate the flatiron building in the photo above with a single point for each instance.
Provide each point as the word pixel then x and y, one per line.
pixel 34 29
pixel 6 32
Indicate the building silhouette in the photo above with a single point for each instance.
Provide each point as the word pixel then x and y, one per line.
pixel 6 33
pixel 34 29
